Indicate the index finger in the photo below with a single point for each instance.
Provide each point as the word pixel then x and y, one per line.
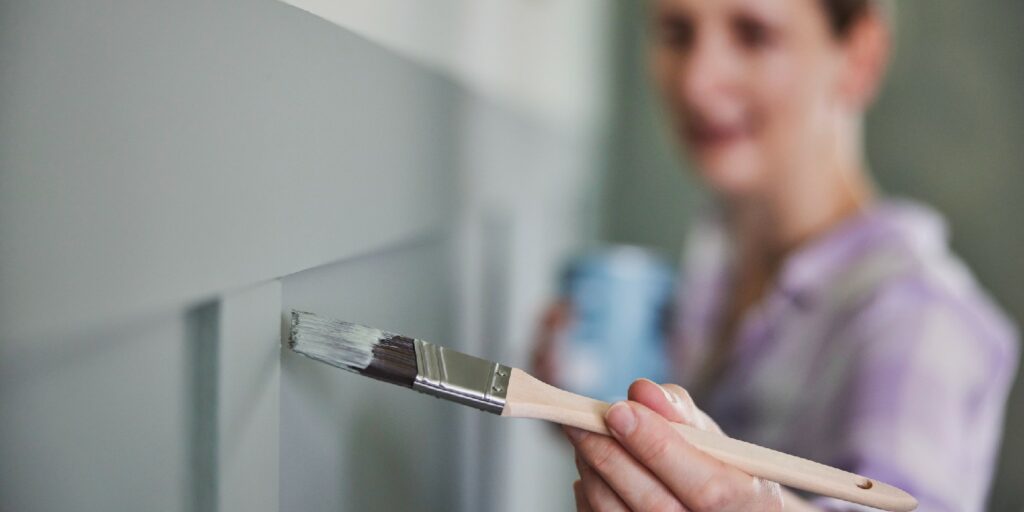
pixel 699 480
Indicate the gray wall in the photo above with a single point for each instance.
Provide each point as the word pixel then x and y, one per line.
pixel 350 443
pixel 174 177
pixel 947 130
pixel 162 167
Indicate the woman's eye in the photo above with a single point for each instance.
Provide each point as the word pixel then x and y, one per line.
pixel 676 33
pixel 753 34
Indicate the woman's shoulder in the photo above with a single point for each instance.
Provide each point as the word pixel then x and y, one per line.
pixel 908 287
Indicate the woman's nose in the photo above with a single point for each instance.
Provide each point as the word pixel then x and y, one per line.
pixel 704 72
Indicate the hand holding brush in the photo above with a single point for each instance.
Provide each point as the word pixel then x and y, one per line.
pixel 646 465
pixel 510 392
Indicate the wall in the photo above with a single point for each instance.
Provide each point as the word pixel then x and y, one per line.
pixel 347 442
pixel 175 177
pixel 945 131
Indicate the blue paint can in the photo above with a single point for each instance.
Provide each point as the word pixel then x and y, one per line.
pixel 620 297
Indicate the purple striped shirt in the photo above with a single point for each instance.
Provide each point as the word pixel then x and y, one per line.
pixel 875 351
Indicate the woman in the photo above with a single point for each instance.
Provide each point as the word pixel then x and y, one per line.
pixel 816 318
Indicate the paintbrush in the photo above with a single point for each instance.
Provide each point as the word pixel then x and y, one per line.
pixel 511 392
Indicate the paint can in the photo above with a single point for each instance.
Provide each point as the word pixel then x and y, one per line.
pixel 620 298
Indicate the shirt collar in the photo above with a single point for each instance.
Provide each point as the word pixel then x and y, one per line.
pixel 810 269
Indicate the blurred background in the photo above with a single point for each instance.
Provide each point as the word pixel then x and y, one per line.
pixel 175 178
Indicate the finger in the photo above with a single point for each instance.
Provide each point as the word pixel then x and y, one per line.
pixel 543 358
pixel 675 407
pixel 556 316
pixel 581 500
pixel 599 495
pixel 678 406
pixel 701 419
pixel 544 369
pixel 637 487
pixel 700 481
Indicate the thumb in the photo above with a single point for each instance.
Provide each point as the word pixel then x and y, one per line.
pixel 670 401
pixel 700 419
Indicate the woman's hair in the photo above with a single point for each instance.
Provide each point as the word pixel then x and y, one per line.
pixel 844 14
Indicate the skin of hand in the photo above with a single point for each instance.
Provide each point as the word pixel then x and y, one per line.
pixel 647 466
pixel 542 360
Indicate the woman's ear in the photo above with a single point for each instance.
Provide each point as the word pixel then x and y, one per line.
pixel 868 47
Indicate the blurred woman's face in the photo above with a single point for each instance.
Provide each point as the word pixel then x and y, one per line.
pixel 750 84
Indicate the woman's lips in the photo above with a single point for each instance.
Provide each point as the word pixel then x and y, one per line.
pixel 709 136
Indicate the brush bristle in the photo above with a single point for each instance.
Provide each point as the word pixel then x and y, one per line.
pixel 356 348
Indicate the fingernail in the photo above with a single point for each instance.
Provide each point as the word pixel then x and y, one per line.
pixel 620 418
pixel 670 396
pixel 575 434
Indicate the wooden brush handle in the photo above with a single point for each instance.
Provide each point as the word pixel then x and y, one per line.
pixel 528 397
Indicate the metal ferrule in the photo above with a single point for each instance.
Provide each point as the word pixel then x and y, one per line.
pixel 461 378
